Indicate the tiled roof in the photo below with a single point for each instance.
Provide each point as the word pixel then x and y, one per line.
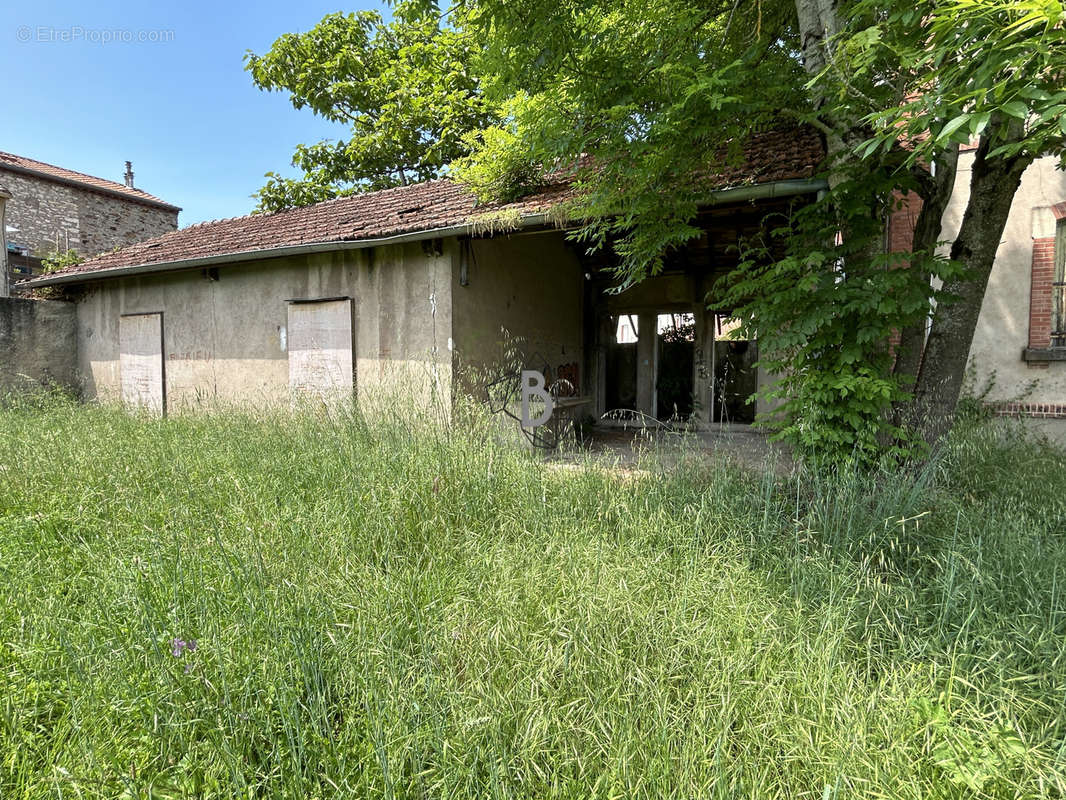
pixel 422 207
pixel 23 164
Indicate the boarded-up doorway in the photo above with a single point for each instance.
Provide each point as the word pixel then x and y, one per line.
pixel 141 366
pixel 320 343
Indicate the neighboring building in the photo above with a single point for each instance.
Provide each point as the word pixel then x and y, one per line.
pixel 422 285
pixel 1018 357
pixel 1019 348
pixel 53 209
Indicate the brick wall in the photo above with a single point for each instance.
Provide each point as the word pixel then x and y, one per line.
pixel 1042 277
pixel 899 234
pixel 1043 274
pixel 901 222
pixel 1029 410
pixel 47 213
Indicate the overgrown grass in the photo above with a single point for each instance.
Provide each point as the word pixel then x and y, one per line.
pixel 387 610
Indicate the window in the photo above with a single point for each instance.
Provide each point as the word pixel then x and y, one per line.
pixel 1058 288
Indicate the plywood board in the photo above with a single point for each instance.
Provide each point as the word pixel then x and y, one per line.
pixel 320 349
pixel 141 367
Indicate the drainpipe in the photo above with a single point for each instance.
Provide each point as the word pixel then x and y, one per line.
pixel 5 273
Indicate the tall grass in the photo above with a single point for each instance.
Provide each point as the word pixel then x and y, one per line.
pixel 399 610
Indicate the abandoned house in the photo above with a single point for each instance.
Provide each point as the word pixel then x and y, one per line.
pixel 412 284
pixel 420 284
pixel 53 210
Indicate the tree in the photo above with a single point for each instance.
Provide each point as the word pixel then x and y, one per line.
pixel 992 71
pixel 659 93
pixel 404 87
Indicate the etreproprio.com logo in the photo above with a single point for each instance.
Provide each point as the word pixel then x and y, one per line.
pixel 79 33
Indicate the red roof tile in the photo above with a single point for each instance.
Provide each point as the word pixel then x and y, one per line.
pixel 23 164
pixel 423 207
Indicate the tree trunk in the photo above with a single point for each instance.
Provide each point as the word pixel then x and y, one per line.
pixel 935 192
pixel 943 368
pixel 819 22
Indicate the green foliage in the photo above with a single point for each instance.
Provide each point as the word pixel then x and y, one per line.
pixel 824 310
pixel 502 170
pixel 990 69
pixel 405 87
pixel 636 102
pixel 58 261
pixel 385 610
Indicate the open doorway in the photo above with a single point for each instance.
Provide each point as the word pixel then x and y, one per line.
pixel 736 377
pixel 663 367
pixel 674 382
pixel 621 389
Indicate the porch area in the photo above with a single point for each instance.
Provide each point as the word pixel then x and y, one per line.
pixel 666 353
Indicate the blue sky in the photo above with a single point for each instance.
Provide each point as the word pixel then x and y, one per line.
pixel 184 111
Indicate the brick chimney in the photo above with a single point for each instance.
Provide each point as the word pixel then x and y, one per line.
pixel 129 174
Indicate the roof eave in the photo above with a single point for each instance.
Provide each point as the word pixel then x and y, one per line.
pixel 758 191
pixel 259 254
pixel 36 173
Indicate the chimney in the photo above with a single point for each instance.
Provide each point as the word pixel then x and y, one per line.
pixel 129 174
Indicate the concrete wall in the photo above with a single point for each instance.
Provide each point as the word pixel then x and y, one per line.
pixel 37 344
pixel 522 290
pixel 1003 327
pixel 225 339
pixel 48 213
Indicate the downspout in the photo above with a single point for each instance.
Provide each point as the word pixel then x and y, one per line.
pixel 5 283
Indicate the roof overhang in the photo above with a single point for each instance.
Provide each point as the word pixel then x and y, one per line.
pixel 739 194
pixel 88 187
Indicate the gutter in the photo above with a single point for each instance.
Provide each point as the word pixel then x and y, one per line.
pixel 88 187
pixel 767 191
pixel 760 191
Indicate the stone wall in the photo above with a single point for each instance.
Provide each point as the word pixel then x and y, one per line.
pixel 5 284
pixel 49 214
pixel 38 345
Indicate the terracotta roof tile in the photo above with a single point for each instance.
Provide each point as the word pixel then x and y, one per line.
pixel 771 156
pixel 23 164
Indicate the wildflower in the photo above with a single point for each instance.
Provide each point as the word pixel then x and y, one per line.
pixel 179 646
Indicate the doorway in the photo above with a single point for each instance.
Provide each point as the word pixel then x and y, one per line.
pixel 142 369
pixel 651 376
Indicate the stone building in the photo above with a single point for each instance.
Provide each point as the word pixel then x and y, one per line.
pixel 53 209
